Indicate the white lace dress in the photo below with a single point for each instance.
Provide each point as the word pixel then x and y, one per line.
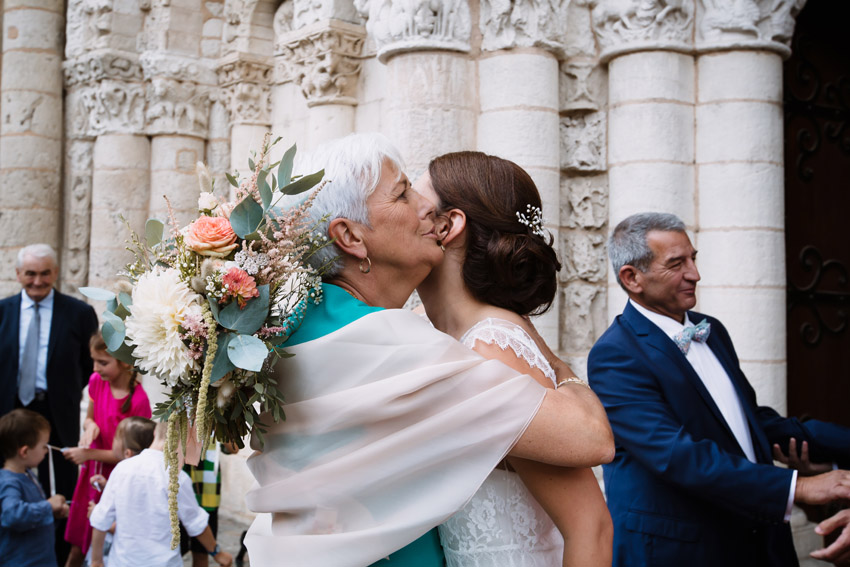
pixel 503 525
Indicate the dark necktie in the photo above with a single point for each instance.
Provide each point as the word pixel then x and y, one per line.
pixel 29 361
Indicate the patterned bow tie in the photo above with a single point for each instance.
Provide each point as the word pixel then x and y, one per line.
pixel 698 333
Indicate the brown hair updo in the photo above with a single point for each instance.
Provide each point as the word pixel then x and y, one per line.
pixel 506 263
pixel 98 344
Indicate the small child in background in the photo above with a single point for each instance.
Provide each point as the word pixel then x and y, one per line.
pixel 136 501
pixel 26 517
pixel 133 435
pixel 114 394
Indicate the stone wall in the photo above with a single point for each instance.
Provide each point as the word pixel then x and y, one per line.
pixel 613 106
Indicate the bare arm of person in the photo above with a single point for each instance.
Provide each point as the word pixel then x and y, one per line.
pixel 569 430
pixel 90 429
pixel 570 496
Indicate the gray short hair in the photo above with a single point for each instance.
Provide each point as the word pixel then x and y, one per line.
pixel 627 245
pixel 353 167
pixel 36 251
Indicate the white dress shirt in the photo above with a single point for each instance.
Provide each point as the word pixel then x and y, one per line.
pixel 136 499
pixel 45 313
pixel 719 386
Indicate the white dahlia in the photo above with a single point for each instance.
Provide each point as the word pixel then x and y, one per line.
pixel 160 303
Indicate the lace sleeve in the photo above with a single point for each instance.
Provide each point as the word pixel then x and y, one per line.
pixel 509 335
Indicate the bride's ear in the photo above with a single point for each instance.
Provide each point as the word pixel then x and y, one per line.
pixel 348 237
pixel 455 225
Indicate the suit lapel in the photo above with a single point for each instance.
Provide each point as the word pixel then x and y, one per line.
pixel 760 442
pixel 655 338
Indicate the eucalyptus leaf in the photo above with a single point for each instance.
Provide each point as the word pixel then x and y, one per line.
pixel 304 183
pixel 97 293
pixel 125 298
pixel 246 217
pixel 221 363
pixel 121 311
pixel 284 170
pixel 265 190
pixel 214 308
pixel 251 164
pixel 112 304
pixel 248 319
pixel 113 331
pixel 247 352
pixel 153 232
pixel 124 353
pixel 232 180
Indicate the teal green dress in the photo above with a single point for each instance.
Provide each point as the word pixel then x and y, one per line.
pixel 337 309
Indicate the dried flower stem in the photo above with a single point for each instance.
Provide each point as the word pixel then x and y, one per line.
pixel 172 463
pixel 201 423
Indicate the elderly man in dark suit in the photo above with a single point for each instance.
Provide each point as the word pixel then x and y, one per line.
pixel 693 481
pixel 44 357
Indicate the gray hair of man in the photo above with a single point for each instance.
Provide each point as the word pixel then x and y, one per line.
pixel 36 251
pixel 627 245
pixel 353 167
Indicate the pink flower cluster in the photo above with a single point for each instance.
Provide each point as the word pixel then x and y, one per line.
pixel 238 285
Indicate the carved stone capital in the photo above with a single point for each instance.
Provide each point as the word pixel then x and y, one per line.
pixel 95 66
pixel 177 107
pixel 323 59
pixel 746 24
pixel 246 89
pixel 400 26
pixel 627 26
pixel 106 107
pixel 583 143
pixel 89 25
pixel 181 68
pixel 512 23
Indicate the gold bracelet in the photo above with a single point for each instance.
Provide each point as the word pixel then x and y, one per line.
pixel 573 379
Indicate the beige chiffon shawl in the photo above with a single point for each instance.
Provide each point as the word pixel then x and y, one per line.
pixel 391 427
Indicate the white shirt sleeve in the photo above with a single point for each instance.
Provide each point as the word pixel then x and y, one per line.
pixel 193 517
pixel 791 493
pixel 103 515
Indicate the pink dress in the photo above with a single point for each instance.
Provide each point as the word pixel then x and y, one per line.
pixel 106 412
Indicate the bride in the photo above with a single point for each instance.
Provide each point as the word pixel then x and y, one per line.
pixel 500 267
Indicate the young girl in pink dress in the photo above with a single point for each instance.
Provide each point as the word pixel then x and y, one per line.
pixel 113 395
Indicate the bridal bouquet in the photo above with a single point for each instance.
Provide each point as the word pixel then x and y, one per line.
pixel 212 303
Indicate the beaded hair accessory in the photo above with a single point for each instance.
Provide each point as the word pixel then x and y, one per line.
pixel 533 219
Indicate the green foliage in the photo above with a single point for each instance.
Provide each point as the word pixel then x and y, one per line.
pixel 246 217
pixel 249 319
pixel 247 352
pixel 154 229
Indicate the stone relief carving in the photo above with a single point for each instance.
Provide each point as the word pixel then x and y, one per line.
pixel 581 315
pixel 163 63
pixel 324 61
pixel 583 255
pixel 622 26
pixel 582 86
pixel 237 25
pixel 583 143
pixel 282 23
pixel 523 23
pixel 77 211
pixel 103 64
pixel 725 23
pixel 248 103
pixel 586 202
pixel 399 26
pixel 177 107
pixel 110 107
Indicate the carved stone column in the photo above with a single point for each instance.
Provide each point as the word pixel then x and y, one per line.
pixel 648 46
pixel 430 102
pixel 30 129
pixel 245 82
pixel 106 103
pixel 323 60
pixel 740 180
pixel 518 97
pixel 177 119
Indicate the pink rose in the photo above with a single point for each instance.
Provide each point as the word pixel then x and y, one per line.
pixel 239 285
pixel 211 236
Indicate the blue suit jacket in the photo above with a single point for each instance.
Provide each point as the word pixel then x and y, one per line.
pixel 69 363
pixel 680 490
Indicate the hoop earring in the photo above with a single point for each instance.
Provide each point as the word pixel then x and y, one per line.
pixel 441 245
pixel 368 267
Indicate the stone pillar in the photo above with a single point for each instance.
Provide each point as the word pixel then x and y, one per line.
pixel 650 112
pixel 740 183
pixel 245 81
pixel 322 59
pixel 430 97
pixel 177 118
pixel 30 129
pixel 518 98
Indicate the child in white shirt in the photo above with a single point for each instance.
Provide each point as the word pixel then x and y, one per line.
pixel 136 500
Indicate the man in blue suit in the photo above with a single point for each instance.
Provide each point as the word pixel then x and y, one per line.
pixel 45 364
pixel 693 481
